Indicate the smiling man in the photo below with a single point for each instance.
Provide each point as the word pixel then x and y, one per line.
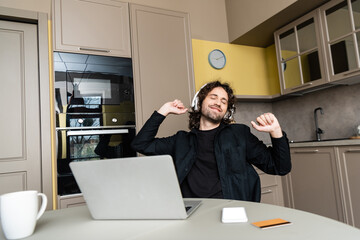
pixel 215 159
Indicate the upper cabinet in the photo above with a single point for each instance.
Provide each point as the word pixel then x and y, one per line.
pixel 162 60
pixel 94 27
pixel 341 21
pixel 320 49
pixel 300 54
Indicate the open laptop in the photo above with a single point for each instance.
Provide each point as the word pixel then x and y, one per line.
pixel 132 188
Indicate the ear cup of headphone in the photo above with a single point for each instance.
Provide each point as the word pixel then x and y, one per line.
pixel 195 101
pixel 229 114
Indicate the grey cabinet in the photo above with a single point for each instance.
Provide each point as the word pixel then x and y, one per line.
pixel 313 184
pixel 300 54
pixel 20 155
pixel 69 201
pixel 93 27
pixel 25 156
pixel 162 60
pixel 162 66
pixel 320 49
pixel 341 22
pixel 349 159
pixel 271 189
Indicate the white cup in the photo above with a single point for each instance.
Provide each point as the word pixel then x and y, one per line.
pixel 19 212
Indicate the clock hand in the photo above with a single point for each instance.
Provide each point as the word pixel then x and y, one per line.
pixel 219 58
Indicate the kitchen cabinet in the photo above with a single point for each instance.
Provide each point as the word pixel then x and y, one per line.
pixel 162 62
pixel 349 158
pixel 320 49
pixel 313 184
pixel 25 101
pixel 341 38
pixel 95 27
pixel 73 200
pixel 300 54
pixel 271 189
pixel 161 57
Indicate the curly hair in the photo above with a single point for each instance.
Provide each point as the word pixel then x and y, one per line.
pixel 195 113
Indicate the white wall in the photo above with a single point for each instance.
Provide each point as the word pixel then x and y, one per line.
pixel 244 15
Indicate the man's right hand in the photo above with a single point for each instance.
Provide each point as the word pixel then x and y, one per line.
pixel 174 107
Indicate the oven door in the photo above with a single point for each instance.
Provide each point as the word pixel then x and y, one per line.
pixel 89 144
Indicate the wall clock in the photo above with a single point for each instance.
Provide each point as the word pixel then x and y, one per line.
pixel 217 59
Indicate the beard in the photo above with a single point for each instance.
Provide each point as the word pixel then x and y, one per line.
pixel 211 115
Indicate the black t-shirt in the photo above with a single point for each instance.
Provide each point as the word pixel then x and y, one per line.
pixel 203 180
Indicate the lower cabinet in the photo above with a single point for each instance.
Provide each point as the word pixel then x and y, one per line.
pixel 73 200
pixel 349 158
pixel 271 189
pixel 323 180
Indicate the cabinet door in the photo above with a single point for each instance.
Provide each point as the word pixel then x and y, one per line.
pixel 300 54
pixel 350 165
pixel 70 201
pixel 313 184
pixel 341 35
pixel 20 140
pixel 94 27
pixel 162 61
pixel 271 189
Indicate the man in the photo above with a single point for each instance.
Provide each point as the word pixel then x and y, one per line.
pixel 214 159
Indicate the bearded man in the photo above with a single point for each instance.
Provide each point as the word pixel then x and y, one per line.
pixel 215 158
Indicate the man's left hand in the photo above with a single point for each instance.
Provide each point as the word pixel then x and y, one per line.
pixel 267 122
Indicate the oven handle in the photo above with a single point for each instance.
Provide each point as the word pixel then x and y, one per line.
pixel 96 132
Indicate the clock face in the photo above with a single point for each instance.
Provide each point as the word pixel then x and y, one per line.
pixel 217 59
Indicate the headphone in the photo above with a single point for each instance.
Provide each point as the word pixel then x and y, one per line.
pixel 195 101
pixel 195 104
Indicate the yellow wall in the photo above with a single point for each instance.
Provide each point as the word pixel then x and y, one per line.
pixel 249 70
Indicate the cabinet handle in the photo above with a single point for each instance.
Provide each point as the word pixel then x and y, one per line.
pixel 267 191
pixel 307 151
pixel 96 132
pixel 94 50
pixel 353 150
pixel 302 86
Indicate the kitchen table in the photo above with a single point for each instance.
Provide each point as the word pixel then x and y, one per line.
pixel 204 223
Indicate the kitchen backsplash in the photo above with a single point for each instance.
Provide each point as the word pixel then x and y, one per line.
pixel 341 106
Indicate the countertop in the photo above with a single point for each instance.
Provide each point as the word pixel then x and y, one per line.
pixel 326 142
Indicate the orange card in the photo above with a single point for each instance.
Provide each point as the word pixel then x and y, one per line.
pixel 277 222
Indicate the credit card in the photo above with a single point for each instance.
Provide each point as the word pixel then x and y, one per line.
pixel 277 222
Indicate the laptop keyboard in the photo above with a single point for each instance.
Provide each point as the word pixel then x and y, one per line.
pixel 187 208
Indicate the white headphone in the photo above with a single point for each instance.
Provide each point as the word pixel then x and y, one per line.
pixel 195 105
pixel 195 100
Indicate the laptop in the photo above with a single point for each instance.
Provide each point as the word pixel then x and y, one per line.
pixel 132 188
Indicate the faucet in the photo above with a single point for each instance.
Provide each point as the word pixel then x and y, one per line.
pixel 318 130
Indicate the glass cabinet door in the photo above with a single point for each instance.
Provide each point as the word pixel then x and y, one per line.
pixel 298 47
pixel 342 26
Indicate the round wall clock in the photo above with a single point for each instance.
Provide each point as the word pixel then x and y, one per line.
pixel 217 59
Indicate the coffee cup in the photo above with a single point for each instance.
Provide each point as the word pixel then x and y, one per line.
pixel 19 212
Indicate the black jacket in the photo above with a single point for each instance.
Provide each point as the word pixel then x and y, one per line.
pixel 236 149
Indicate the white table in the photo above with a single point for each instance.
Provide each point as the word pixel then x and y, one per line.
pixel 205 223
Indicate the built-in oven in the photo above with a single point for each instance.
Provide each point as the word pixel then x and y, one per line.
pixel 95 111
pixel 89 144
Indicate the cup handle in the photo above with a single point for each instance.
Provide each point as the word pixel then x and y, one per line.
pixel 43 205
